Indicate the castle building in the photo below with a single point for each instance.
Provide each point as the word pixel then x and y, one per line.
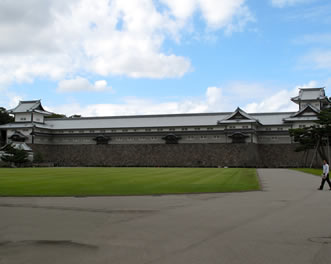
pixel 32 126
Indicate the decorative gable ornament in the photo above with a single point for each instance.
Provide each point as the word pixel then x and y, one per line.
pixel 18 137
pixel 101 140
pixel 238 137
pixel 308 113
pixel 238 116
pixel 171 139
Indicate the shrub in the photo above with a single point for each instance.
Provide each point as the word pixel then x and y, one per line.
pixel 38 157
pixel 15 156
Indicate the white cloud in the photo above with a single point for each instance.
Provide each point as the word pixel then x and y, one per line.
pixel 183 9
pixel 311 84
pixel 56 39
pixel 327 84
pixel 319 13
pixel 14 100
pixel 314 39
pixel 230 15
pixel 211 101
pixel 9 99
pixel 248 90
pixel 280 101
pixel 319 59
pixel 82 84
pixel 213 95
pixel 283 3
pixel 216 99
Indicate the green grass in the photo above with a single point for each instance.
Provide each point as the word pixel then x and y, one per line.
pixel 317 172
pixel 124 181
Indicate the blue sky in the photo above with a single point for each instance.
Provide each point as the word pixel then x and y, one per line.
pixel 123 57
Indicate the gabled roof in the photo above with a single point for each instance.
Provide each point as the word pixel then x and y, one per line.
pixel 29 106
pixel 16 145
pixel 238 116
pixel 308 94
pixel 150 121
pixel 307 109
pixel 18 134
pixel 302 114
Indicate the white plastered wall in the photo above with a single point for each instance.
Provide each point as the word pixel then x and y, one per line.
pixel 314 103
pixel 302 124
pixel 38 118
pixel 23 117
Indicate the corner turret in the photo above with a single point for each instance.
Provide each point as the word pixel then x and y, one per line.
pixel 314 97
pixel 29 111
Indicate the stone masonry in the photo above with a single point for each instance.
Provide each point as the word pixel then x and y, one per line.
pixel 177 155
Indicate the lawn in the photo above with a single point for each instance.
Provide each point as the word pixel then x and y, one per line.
pixel 317 172
pixel 124 181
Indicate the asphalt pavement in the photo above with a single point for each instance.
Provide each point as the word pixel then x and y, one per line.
pixel 289 221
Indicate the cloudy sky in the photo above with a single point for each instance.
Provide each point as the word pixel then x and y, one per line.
pixel 123 57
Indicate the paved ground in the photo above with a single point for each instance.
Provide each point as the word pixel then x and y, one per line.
pixel 288 222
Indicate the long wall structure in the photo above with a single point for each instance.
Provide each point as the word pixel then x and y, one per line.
pixel 204 139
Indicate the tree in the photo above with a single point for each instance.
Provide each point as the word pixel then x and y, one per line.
pixel 61 116
pixel 5 117
pixel 15 156
pixel 56 116
pixel 75 116
pixel 315 137
pixel 38 157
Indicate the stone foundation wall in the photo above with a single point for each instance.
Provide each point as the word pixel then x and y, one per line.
pixel 177 155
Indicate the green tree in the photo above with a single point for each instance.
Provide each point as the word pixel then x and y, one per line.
pixel 38 158
pixel 315 137
pixel 15 156
pixel 5 117
pixel 56 116
pixel 75 116
pixel 61 116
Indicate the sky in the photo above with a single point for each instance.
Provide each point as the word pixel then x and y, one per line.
pixel 129 57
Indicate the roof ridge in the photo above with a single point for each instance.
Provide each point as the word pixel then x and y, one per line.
pixel 30 101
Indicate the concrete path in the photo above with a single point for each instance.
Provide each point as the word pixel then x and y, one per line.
pixel 288 222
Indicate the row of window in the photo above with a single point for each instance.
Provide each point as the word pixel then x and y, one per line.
pixel 121 139
pixel 129 130
pixel 24 119
pixel 150 130
pixel 129 138
pixel 273 138
pixel 278 129
pixel 158 129
pixel 303 126
pixel 267 128
pixel 155 138
pixel 232 127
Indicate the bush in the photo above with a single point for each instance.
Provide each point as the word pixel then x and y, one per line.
pixel 38 158
pixel 15 156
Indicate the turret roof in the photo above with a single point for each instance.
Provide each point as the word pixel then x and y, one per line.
pixel 309 94
pixel 29 106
